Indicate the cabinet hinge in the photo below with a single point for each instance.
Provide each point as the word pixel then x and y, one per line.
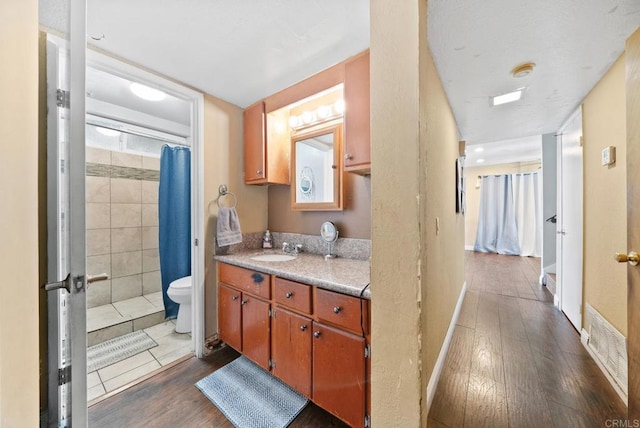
pixel 62 98
pixel 367 350
pixel 64 375
pixel 272 313
pixel 367 421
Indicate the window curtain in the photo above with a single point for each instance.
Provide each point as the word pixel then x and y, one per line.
pixel 527 198
pixel 174 215
pixel 497 231
pixel 510 216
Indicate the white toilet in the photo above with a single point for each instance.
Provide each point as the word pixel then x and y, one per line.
pixel 180 292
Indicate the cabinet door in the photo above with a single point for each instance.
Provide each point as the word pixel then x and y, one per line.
pixel 291 350
pixel 256 330
pixel 254 144
pixel 357 134
pixel 339 373
pixel 229 317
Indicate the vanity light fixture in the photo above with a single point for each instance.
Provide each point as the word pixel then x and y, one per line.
pixel 108 132
pixel 146 92
pixel 509 97
pixel 322 114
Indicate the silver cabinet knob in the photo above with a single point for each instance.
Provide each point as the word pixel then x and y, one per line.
pixel 317 334
pixel 303 327
pixel 348 156
pixel 234 298
pixel 244 302
pixel 259 172
pixel 288 294
pixel 337 309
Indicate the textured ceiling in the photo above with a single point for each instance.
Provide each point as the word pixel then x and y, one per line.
pixel 476 45
pixel 242 51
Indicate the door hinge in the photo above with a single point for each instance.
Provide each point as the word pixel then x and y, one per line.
pixel 195 242
pixel 367 350
pixel 64 375
pixel 367 421
pixel 62 98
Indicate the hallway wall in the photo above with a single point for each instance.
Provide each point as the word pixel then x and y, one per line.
pixel 605 200
pixel 19 218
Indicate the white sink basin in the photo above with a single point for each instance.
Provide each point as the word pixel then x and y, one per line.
pixel 273 258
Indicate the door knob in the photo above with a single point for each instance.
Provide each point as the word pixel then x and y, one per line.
pixel 632 258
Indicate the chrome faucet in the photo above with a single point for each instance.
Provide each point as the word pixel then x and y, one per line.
pixel 291 248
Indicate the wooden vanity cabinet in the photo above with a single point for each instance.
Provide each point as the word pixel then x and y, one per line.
pixel 243 313
pixel 291 350
pixel 266 158
pixel 357 129
pixel 339 373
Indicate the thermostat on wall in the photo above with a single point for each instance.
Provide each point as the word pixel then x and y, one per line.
pixel 608 155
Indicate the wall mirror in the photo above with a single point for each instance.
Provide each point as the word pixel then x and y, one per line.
pixel 316 182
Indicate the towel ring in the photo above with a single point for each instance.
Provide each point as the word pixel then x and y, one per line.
pixel 222 191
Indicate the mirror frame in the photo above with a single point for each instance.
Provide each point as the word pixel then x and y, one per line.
pixel 336 205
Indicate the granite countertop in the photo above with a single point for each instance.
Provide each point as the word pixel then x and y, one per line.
pixel 347 276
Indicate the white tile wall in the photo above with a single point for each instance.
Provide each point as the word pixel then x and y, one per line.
pixel 126 239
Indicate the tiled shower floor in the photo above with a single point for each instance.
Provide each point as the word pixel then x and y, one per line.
pixel 129 315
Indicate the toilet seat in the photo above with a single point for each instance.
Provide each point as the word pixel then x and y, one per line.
pixel 181 283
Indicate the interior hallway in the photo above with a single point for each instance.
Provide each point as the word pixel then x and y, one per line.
pixel 515 360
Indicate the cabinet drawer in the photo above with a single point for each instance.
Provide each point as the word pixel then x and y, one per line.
pixel 292 295
pixel 253 282
pixel 341 310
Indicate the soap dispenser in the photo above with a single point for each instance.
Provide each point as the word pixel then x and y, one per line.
pixel 266 240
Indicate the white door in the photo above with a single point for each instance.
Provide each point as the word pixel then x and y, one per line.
pixel 66 223
pixel 569 225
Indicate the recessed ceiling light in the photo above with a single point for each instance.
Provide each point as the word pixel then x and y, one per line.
pixel 509 97
pixel 478 149
pixel 480 160
pixel 147 93
pixel 522 70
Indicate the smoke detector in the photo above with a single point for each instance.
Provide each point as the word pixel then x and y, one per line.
pixel 523 69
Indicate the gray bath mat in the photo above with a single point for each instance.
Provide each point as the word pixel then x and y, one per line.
pixel 250 397
pixel 110 352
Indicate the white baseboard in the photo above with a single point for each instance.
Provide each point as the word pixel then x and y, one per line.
pixel 437 369
pixel 468 247
pixel 584 338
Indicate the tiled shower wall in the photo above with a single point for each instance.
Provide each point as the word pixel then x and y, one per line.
pixel 122 225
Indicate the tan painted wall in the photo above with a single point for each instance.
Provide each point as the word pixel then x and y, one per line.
pixel 223 160
pixel 19 216
pixel 395 270
pixel 473 195
pixel 444 255
pixel 353 222
pixel 605 202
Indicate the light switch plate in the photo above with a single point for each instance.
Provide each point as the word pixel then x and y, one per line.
pixel 608 155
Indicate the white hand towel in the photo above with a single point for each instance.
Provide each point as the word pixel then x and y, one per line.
pixel 228 227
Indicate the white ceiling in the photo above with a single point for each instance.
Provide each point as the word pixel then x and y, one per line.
pixel 243 51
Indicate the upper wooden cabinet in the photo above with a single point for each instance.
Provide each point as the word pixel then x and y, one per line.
pixel 357 130
pixel 266 160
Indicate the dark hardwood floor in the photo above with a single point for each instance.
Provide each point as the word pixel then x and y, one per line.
pixel 170 399
pixel 515 360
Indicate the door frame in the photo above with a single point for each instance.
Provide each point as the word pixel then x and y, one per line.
pixel 560 247
pixel 127 71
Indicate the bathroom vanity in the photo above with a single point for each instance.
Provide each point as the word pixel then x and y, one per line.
pixel 306 321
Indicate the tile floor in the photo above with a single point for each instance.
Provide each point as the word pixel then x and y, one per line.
pixel 108 315
pixel 171 345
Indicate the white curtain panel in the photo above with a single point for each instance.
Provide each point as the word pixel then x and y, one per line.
pixel 528 212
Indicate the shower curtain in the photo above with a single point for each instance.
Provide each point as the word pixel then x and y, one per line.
pixel 174 214
pixel 510 217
